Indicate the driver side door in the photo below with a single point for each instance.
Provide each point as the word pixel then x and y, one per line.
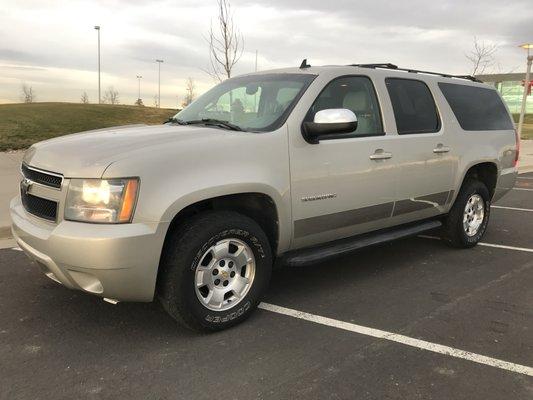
pixel 339 187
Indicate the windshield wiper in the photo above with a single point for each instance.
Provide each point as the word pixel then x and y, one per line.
pixel 215 122
pixel 175 120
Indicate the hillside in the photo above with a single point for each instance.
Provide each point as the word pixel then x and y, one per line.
pixel 24 124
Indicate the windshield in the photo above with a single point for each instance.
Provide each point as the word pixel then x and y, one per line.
pixel 259 102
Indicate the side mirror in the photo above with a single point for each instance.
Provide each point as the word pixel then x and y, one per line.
pixel 332 121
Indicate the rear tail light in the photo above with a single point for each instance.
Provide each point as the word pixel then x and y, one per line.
pixel 517 148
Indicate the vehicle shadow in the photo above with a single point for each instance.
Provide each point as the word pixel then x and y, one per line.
pixel 64 310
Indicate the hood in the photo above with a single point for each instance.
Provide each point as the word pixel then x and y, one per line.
pixel 88 154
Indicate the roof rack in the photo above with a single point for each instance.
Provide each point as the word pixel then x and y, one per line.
pixel 415 71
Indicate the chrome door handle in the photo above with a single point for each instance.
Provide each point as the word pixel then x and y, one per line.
pixel 381 155
pixel 441 149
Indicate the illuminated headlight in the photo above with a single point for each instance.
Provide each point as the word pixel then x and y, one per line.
pixel 101 200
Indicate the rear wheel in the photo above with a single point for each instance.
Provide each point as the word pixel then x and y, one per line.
pixel 214 270
pixel 467 221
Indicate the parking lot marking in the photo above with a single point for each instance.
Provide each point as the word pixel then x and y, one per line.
pixel 513 208
pixel 501 246
pixel 394 337
pixel 498 246
pixel 524 189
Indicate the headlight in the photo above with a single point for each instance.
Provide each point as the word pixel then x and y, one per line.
pixel 101 200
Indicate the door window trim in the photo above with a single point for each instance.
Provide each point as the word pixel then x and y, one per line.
pixel 439 120
pixel 347 135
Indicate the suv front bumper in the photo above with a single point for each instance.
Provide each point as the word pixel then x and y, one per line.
pixel 114 261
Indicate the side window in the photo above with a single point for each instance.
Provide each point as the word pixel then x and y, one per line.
pixel 413 105
pixel 476 108
pixel 356 93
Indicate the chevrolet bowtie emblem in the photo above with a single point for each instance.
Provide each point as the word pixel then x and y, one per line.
pixel 25 185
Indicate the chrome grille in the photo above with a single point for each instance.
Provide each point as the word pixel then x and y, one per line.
pixel 44 178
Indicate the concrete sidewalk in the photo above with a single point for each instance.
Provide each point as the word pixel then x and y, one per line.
pixel 526 156
pixel 9 186
pixel 10 178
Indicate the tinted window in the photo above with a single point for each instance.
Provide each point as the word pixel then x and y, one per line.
pixel 356 93
pixel 476 108
pixel 413 105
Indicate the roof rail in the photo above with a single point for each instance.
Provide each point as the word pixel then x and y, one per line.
pixel 415 71
pixel 383 65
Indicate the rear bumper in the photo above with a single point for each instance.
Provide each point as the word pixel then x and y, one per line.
pixel 114 261
pixel 506 182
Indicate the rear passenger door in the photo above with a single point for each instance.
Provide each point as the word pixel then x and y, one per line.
pixel 423 151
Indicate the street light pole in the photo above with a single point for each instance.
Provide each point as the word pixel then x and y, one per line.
pixel 159 83
pixel 526 88
pixel 97 27
pixel 139 77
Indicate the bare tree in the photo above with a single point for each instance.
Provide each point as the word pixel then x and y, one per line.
pixel 226 43
pixel 481 56
pixel 28 95
pixel 190 94
pixel 111 95
pixel 156 100
pixel 85 98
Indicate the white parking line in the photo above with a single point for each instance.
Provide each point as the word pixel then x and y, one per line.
pixel 523 177
pixel 524 189
pixel 498 246
pixel 406 340
pixel 501 246
pixel 513 208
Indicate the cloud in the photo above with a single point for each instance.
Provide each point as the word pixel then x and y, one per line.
pixel 53 44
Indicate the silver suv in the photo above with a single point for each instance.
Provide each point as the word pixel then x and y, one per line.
pixel 295 166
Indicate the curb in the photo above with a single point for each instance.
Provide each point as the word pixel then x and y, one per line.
pixel 5 232
pixel 524 170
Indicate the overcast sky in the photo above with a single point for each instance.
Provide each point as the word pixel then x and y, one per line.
pixel 51 45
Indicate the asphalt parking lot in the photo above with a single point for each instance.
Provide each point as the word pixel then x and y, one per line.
pixel 463 321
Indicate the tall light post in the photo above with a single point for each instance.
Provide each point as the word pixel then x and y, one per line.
pixel 527 46
pixel 159 83
pixel 139 77
pixel 97 27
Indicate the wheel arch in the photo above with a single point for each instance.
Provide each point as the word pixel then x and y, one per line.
pixel 486 172
pixel 259 206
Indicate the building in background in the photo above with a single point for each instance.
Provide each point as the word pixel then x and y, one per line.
pixel 511 88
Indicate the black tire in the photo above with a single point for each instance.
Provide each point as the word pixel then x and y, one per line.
pixel 183 250
pixel 453 232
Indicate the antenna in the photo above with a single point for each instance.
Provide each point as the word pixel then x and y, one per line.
pixel 304 64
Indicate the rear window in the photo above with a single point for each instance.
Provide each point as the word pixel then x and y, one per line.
pixel 413 106
pixel 477 108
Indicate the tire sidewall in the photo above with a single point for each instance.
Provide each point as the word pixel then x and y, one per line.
pixel 475 187
pixel 216 320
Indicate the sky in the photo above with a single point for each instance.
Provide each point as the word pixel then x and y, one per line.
pixel 51 45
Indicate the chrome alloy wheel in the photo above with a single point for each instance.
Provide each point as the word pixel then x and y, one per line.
pixel 473 215
pixel 224 274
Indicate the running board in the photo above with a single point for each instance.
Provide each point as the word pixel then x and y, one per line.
pixel 340 247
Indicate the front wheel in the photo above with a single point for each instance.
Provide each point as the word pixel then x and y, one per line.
pixel 467 221
pixel 214 270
